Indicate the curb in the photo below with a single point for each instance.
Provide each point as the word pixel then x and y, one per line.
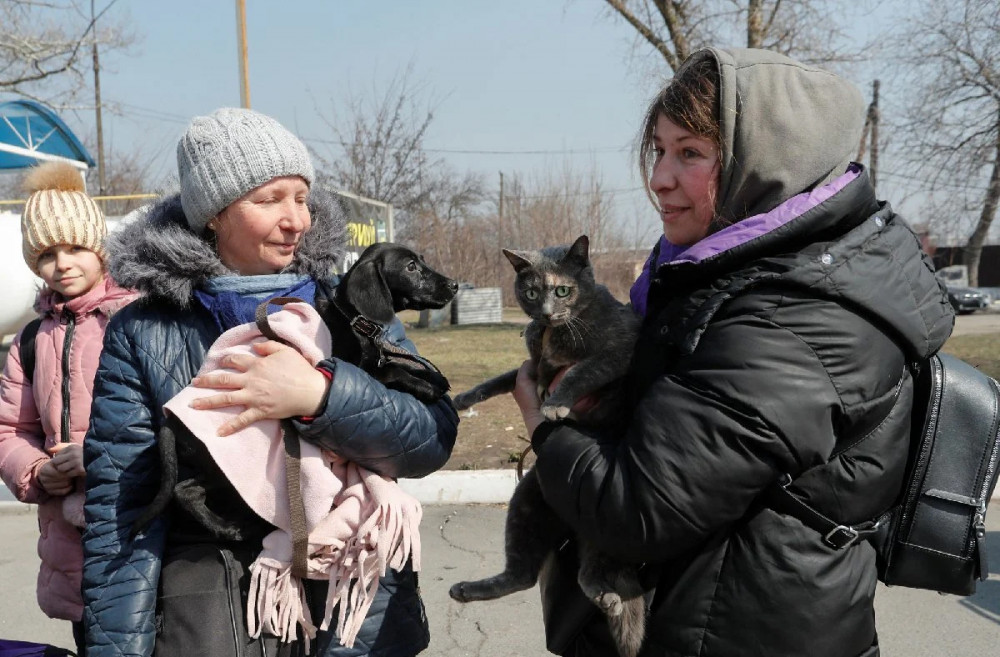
pixel 441 487
pixel 463 487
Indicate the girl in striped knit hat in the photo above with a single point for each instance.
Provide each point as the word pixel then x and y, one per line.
pixel 44 412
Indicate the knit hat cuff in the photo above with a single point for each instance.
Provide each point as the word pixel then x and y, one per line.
pixel 227 154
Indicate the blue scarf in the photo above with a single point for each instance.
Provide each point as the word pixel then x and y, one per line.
pixel 233 300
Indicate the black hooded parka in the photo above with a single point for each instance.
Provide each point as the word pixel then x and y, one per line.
pixel 785 353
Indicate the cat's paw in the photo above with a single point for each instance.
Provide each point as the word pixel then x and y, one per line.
pixel 610 603
pixel 457 592
pixel 554 412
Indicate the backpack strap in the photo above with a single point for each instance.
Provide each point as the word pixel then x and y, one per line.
pixel 27 345
pixel 835 535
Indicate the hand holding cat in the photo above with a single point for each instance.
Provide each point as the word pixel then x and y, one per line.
pixel 277 383
pixel 526 395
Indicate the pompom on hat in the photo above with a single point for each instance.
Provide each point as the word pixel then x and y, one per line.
pixel 58 211
pixel 230 152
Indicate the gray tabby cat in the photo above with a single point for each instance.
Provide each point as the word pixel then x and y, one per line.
pixel 575 322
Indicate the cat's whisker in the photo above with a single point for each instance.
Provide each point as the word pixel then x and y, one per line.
pixel 575 331
pixel 583 325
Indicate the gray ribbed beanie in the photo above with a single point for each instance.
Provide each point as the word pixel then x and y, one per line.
pixel 231 151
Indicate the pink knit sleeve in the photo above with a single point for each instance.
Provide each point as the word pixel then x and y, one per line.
pixel 22 439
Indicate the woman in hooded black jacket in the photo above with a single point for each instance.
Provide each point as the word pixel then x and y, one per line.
pixel 781 307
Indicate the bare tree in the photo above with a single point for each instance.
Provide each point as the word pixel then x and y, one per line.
pixel 448 225
pixel 953 122
pixel 804 29
pixel 555 208
pixel 46 47
pixel 377 149
pixel 127 174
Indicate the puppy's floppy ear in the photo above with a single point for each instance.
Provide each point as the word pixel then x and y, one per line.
pixel 579 251
pixel 517 259
pixel 368 291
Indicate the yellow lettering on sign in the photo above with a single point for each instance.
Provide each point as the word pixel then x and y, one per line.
pixel 361 234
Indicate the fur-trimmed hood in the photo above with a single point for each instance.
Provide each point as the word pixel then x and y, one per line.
pixel 156 253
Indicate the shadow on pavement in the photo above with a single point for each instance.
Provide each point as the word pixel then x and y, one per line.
pixel 986 601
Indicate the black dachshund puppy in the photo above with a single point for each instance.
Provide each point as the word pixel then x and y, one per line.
pixel 385 279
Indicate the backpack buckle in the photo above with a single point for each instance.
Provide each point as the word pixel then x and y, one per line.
pixel 840 537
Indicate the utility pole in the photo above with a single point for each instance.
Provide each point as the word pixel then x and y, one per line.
pixel 500 236
pixel 869 136
pixel 241 42
pixel 97 101
pixel 873 116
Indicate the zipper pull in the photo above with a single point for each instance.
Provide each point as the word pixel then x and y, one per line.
pixel 980 528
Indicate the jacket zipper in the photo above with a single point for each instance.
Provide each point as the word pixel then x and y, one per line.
pixel 237 642
pixel 919 466
pixel 69 318
pixel 978 539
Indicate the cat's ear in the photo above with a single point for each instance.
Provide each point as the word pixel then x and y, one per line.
pixel 517 259
pixel 579 251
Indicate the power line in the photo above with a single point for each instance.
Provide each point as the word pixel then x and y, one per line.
pixel 469 151
pixel 609 192
pixel 935 185
pixel 159 115
pixel 148 113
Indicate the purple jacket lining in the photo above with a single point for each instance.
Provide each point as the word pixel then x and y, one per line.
pixel 739 233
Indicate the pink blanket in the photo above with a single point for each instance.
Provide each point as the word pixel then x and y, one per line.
pixel 358 522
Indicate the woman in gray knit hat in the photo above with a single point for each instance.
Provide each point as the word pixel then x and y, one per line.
pixel 246 226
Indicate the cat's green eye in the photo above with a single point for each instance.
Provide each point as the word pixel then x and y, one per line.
pixel 562 291
pixel 530 294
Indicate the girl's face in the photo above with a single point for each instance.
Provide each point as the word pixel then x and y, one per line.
pixel 259 232
pixel 70 270
pixel 685 181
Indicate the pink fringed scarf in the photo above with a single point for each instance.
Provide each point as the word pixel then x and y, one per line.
pixel 359 523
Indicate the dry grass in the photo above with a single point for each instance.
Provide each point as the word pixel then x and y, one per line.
pixel 983 351
pixel 493 436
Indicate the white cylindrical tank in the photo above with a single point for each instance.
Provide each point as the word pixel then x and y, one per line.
pixel 18 286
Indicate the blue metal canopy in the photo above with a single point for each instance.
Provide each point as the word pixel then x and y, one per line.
pixel 31 133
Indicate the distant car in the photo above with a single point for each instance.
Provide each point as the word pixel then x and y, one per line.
pixel 966 300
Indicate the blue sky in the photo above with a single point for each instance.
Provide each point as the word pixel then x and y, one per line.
pixel 558 76
pixel 519 75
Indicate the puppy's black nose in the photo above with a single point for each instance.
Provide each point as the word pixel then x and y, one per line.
pixel 453 286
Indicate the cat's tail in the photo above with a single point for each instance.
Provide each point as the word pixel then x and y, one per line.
pixel 629 627
pixel 167 443
pixel 485 390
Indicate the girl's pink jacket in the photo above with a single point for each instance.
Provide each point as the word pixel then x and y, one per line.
pixel 31 417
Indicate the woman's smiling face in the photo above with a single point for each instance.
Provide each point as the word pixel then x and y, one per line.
pixel 259 232
pixel 685 181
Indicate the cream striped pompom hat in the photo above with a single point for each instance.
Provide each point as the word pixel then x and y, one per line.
pixel 59 212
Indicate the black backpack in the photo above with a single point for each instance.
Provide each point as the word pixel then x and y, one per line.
pixel 27 344
pixel 934 537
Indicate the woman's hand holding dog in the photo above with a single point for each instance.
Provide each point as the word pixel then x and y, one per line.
pixel 278 383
